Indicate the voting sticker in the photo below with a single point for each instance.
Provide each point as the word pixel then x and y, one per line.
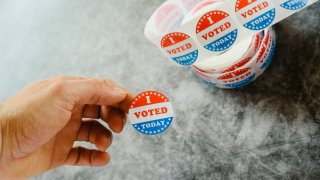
pixel 180 48
pixel 216 31
pixel 255 14
pixel 151 113
pixel 293 4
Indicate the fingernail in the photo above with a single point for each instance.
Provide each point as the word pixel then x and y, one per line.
pixel 109 141
pixel 108 144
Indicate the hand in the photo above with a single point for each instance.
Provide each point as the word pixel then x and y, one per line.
pixel 41 123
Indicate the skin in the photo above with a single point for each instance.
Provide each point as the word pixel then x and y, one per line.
pixel 41 123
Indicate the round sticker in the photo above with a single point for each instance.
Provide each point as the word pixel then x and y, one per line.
pixel 257 41
pixel 264 47
pixel 255 14
pixel 180 48
pixel 216 31
pixel 238 78
pixel 268 59
pixel 237 65
pixel 151 113
pixel 293 4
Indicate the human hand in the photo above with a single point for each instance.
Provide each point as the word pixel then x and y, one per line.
pixel 41 123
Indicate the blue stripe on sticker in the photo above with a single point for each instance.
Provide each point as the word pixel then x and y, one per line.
pixel 261 21
pixel 224 42
pixel 187 59
pixel 270 56
pixel 241 83
pixel 153 127
pixel 294 4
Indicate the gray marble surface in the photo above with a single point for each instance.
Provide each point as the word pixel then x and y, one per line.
pixel 266 130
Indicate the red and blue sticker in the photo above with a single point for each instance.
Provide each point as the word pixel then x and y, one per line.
pixel 180 48
pixel 238 65
pixel 268 60
pixel 293 4
pixel 255 14
pixel 151 113
pixel 216 31
pixel 238 78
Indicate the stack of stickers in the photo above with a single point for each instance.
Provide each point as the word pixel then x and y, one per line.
pixel 243 62
pixel 228 43
pixel 247 68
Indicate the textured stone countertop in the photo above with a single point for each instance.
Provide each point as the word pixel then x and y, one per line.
pixel 266 130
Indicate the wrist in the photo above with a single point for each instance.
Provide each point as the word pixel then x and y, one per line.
pixel 6 133
pixel 6 168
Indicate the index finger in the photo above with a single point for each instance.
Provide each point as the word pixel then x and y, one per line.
pixel 95 91
pixel 125 104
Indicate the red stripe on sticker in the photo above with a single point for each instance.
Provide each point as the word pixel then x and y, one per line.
pixel 257 42
pixel 148 98
pixel 173 38
pixel 243 3
pixel 265 44
pixel 238 65
pixel 211 18
pixel 234 74
pixel 266 40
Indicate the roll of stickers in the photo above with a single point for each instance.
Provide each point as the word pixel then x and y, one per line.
pixel 249 66
pixel 228 43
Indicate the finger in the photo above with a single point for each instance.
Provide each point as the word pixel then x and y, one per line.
pixel 43 83
pixel 93 91
pixel 80 156
pixel 60 79
pixel 125 105
pixel 91 111
pixel 95 133
pixel 115 118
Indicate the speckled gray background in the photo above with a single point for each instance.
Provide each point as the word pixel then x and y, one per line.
pixel 264 131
